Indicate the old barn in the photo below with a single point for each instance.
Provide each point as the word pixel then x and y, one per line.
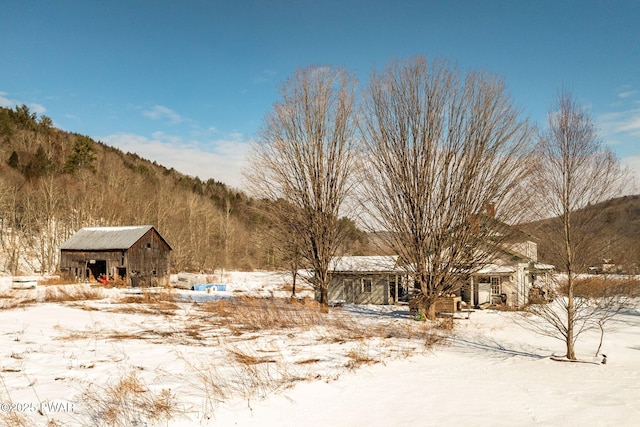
pixel 137 254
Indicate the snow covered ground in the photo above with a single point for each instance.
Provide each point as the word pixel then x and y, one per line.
pixel 93 355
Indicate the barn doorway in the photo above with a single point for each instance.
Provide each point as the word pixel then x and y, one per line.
pixel 97 268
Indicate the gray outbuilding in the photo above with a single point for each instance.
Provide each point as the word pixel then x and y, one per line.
pixel 368 280
pixel 139 255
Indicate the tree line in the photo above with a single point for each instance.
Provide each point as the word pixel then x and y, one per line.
pixel 52 183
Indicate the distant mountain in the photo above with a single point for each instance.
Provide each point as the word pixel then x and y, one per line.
pixel 613 235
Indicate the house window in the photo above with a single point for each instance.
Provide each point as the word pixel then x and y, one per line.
pixel 495 286
pixel 366 286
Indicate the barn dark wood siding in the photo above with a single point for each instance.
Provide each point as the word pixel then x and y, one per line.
pixel 74 264
pixel 144 263
pixel 147 261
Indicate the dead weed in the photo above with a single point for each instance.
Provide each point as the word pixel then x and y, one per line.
pixel 64 293
pixel 128 401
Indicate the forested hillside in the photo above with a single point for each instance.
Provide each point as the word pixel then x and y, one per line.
pixel 52 183
pixel 614 235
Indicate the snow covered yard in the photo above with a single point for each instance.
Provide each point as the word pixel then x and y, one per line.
pixel 196 358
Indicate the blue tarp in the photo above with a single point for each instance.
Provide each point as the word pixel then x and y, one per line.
pixel 213 286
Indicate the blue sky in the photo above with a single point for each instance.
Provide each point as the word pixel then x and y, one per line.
pixel 187 83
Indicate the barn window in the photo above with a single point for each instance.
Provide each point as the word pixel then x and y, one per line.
pixel 495 286
pixel 366 286
pixel 148 245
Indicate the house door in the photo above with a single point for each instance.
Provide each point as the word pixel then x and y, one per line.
pixel 484 290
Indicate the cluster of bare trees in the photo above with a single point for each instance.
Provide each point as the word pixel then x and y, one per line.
pixel 438 159
pixel 79 183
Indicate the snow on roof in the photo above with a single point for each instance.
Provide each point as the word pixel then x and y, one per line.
pixel 105 238
pixel 541 266
pixel 378 263
pixel 495 269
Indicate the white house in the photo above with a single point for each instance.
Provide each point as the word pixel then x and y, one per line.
pixel 509 276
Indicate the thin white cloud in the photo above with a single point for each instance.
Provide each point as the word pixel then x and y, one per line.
pixel 265 76
pixel 627 94
pixel 236 136
pixel 37 108
pixel 4 101
pixel 223 159
pixel 633 164
pixel 623 122
pixel 160 112
pixel 7 102
pixel 632 124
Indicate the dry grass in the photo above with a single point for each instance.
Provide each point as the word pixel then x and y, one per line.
pixel 14 299
pixel 77 335
pixel 599 286
pixel 14 419
pixel 235 328
pixel 72 293
pixel 150 301
pixel 118 282
pixel 253 376
pixel 245 315
pixel 128 401
pixel 248 374
pixel 244 358
pixel 255 314
pixel 54 281
pixel 308 361
pixel 247 377
pixel 359 355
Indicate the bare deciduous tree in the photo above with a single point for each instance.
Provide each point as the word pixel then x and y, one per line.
pixel 305 155
pixel 573 169
pixel 593 308
pixel 442 149
pixel 285 244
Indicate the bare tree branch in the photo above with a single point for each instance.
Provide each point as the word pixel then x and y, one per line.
pixel 443 148
pixel 573 169
pixel 305 156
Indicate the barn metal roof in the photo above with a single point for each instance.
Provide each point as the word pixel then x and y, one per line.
pixel 105 238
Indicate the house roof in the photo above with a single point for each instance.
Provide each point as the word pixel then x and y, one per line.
pixel 378 263
pixel 106 238
pixel 495 269
pixel 541 266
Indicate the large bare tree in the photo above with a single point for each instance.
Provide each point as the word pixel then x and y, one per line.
pixel 443 166
pixel 573 169
pixel 305 155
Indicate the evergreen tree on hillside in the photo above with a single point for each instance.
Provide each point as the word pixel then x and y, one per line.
pixel 83 155
pixel 39 166
pixel 25 117
pixel 14 160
